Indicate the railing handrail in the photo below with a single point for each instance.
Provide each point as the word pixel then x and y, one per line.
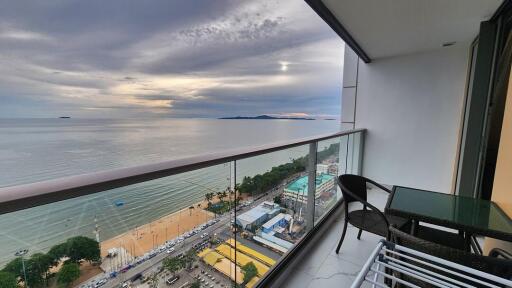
pixel 19 197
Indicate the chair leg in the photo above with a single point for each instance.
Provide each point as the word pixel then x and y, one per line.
pixel 359 234
pixel 342 237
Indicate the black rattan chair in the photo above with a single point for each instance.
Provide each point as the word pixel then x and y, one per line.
pixel 492 265
pixel 445 238
pixel 371 220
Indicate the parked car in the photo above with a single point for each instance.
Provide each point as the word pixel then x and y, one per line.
pixel 137 277
pixel 172 280
pixel 100 283
pixel 170 251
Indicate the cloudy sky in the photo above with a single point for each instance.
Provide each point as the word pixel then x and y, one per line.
pixel 169 58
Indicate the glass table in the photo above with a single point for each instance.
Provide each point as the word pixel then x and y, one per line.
pixel 470 215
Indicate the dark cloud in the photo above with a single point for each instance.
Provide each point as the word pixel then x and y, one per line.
pixel 208 58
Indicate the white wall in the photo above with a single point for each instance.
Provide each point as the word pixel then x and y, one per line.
pixel 411 106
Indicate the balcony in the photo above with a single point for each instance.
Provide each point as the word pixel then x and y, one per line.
pixel 207 219
pixel 322 267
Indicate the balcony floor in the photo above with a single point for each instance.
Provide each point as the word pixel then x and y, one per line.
pixel 322 267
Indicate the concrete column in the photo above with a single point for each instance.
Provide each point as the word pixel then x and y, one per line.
pixel 349 93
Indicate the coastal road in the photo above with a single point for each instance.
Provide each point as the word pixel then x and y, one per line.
pixel 155 262
pixel 221 228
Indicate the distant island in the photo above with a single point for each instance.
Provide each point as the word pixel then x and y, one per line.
pixel 266 117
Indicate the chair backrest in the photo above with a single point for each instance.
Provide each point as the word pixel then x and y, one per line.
pixel 498 267
pixel 354 184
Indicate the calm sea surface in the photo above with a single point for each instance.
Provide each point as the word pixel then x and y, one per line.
pixel 40 149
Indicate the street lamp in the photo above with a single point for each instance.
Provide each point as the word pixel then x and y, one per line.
pixel 20 254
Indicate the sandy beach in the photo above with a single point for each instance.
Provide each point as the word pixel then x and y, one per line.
pixel 146 237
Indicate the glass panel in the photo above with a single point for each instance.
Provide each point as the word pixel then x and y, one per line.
pixel 354 153
pixel 123 234
pixel 327 169
pixel 271 216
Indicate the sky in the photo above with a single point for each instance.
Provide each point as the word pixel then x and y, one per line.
pixel 169 58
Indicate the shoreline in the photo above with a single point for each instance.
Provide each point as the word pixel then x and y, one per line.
pixel 142 239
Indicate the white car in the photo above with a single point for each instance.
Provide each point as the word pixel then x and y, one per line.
pixel 170 251
pixel 100 283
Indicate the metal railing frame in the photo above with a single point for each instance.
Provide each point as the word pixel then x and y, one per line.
pixel 20 197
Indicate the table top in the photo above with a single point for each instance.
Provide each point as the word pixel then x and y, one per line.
pixel 472 215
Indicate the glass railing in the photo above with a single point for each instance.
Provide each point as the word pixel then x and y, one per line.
pixel 219 220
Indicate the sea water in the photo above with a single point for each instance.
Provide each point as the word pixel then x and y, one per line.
pixel 34 150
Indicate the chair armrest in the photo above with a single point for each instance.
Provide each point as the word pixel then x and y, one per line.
pixel 378 185
pixel 364 202
pixel 496 252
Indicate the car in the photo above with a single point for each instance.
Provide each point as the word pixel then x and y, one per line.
pixel 100 283
pixel 137 277
pixel 125 269
pixel 172 280
pixel 170 251
pixel 125 285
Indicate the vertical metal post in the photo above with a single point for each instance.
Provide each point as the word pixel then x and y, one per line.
pixel 24 272
pixel 311 169
pixel 360 152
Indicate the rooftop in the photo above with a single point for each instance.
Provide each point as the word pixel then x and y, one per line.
pixel 301 185
pixel 258 212
pixel 276 219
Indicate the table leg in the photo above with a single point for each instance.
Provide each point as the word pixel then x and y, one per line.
pixel 414 227
pixel 467 242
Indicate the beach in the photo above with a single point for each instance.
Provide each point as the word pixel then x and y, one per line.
pixel 142 239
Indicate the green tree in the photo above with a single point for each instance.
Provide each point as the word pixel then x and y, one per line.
pixel 277 200
pixel 82 248
pixel 40 264
pixel 196 284
pixel 15 267
pixel 220 196
pixel 8 280
pixel 188 259
pixel 250 271
pixel 57 252
pixel 68 273
pixel 209 196
pixel 173 264
pixel 153 280
pixel 224 194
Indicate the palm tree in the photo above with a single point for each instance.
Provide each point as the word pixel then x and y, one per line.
pixel 224 194
pixel 173 264
pixel 153 281
pixel 220 196
pixel 209 196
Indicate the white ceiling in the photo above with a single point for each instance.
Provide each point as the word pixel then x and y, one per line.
pixel 385 28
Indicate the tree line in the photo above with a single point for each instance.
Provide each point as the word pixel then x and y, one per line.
pixel 262 183
pixel 38 265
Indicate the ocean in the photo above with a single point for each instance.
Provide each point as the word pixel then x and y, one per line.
pixel 33 150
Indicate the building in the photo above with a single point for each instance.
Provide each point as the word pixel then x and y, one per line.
pixel 279 221
pixel 331 168
pixel 298 189
pixel 322 168
pixel 258 215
